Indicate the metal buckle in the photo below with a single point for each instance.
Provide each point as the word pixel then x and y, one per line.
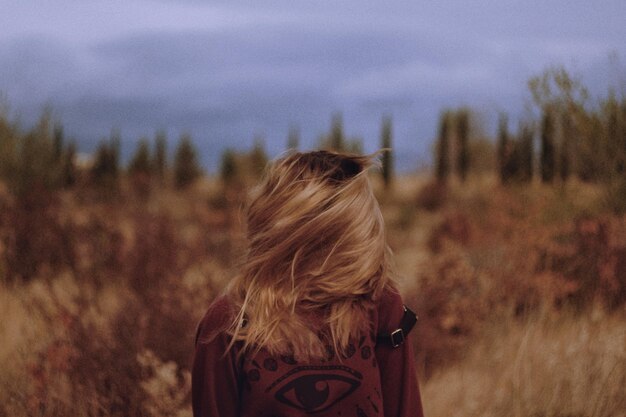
pixel 397 337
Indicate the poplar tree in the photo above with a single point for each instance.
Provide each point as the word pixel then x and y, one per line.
pixel 337 137
pixel 387 159
pixel 547 146
pixel 612 140
pixel 257 157
pixel 58 142
pixel 8 147
pixel 526 151
pixel 442 168
pixel 462 137
pixel 293 138
pixel 68 165
pixel 622 162
pixel 160 156
pixel 567 132
pixel 105 169
pixel 228 167
pixel 58 148
pixel 503 147
pixel 140 163
pixel 186 166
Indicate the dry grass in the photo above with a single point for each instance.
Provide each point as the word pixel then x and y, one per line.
pixel 105 326
pixel 548 365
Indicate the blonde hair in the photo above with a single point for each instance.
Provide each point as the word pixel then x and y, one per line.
pixel 316 248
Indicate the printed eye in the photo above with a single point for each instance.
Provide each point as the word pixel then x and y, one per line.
pixel 318 391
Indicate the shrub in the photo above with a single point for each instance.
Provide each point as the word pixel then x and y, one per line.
pixel 100 248
pixel 451 305
pixel 37 240
pixel 432 196
pixel 594 260
pixel 454 227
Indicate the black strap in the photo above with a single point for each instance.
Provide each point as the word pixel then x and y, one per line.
pixel 397 337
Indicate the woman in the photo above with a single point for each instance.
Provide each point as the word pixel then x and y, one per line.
pixel 313 324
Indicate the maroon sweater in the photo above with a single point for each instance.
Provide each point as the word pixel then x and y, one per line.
pixel 372 380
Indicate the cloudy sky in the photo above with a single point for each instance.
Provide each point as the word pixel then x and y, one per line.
pixel 227 71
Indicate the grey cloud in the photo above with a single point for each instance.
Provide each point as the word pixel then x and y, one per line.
pixel 34 68
pixel 285 58
pixel 225 84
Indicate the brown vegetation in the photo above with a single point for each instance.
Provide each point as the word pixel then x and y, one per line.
pixel 520 295
pixel 520 287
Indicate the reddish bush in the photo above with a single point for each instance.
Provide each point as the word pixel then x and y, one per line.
pixel 595 262
pixel 99 249
pixel 451 304
pixel 35 237
pixel 455 227
pixel 432 196
pixel 152 259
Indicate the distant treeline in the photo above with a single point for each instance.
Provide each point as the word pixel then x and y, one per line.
pixel 575 137
pixel 42 158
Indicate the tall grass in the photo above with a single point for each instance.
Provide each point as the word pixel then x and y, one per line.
pixel 99 299
pixel 558 365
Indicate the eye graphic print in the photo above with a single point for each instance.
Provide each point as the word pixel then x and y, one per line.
pixel 319 389
pixel 313 393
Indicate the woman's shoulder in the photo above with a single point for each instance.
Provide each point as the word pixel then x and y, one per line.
pixel 390 309
pixel 217 318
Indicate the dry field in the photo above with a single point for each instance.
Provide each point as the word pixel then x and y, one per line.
pixel 520 294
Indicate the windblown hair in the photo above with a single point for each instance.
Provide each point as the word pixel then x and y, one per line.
pixel 317 249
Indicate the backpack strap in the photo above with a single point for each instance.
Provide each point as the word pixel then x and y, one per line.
pixel 398 336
